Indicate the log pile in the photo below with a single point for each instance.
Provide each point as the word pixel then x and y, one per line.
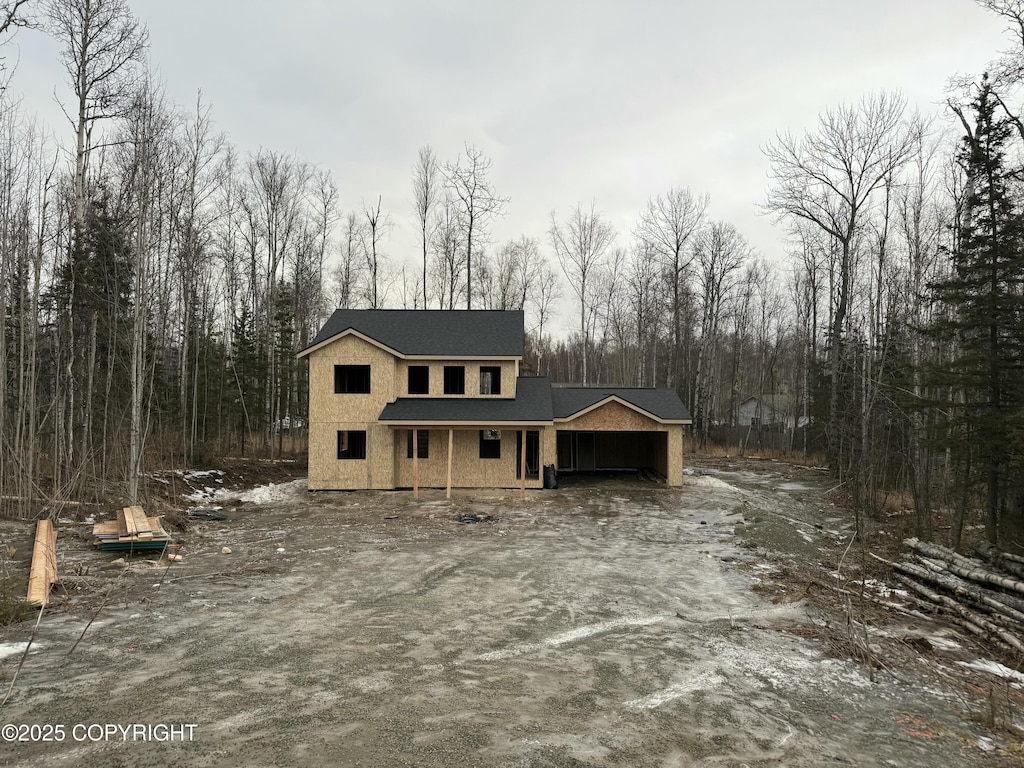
pixel 984 596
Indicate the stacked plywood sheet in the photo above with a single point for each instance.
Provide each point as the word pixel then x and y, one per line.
pixel 44 563
pixel 132 530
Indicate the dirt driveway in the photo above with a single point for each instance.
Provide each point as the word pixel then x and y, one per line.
pixel 607 626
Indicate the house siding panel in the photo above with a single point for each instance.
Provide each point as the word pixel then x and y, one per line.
pixel 468 469
pixel 330 412
pixel 614 417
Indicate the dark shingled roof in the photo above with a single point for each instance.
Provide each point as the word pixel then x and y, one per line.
pixel 663 403
pixel 434 332
pixel 532 403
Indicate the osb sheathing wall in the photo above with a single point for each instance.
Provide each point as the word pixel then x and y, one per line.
pixel 674 474
pixel 468 469
pixel 614 417
pixel 328 472
pixel 508 377
pixel 330 412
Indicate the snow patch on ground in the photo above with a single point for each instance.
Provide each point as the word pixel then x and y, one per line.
pixel 196 474
pixel 16 649
pixel 943 643
pixel 878 587
pixel 763 667
pixel 706 481
pixel 1015 678
pixel 261 494
pixel 794 486
pixel 205 494
pixel 572 636
pixel 702 682
pixel 267 494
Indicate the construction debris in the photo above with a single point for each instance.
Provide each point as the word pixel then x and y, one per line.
pixel 131 531
pixel 211 513
pixel 43 572
pixel 470 517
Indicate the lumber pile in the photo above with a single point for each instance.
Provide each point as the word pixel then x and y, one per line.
pixel 43 572
pixel 131 531
pixel 984 596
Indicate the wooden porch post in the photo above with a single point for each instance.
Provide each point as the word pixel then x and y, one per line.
pixel 451 435
pixel 415 463
pixel 522 464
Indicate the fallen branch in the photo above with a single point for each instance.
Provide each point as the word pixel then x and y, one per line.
pixel 96 613
pixel 986 627
pixel 965 567
pixel 935 573
pixel 876 600
pixel 937 552
pixel 1009 563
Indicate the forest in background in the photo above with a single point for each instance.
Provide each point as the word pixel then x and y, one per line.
pixel 156 284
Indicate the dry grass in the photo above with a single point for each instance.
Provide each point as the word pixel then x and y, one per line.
pixel 893 502
pixel 717 451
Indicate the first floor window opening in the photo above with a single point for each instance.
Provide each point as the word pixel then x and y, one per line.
pixel 351 443
pixel 490 444
pixel 532 455
pixel 422 444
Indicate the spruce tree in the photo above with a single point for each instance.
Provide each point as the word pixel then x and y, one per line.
pixel 984 318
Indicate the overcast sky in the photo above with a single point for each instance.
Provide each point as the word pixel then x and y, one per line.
pixel 610 101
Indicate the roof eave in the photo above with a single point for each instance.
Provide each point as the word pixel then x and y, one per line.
pixel 474 423
pixel 390 350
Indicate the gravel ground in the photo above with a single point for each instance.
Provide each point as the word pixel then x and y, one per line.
pixel 615 624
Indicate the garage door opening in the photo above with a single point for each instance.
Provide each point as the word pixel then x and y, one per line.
pixel 631 452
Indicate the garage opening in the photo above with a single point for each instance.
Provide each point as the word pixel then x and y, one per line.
pixel 580 451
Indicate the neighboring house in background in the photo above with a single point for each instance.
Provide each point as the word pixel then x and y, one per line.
pixel 431 398
pixel 766 411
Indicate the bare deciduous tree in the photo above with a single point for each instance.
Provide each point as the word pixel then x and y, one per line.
pixel 348 274
pixel 103 42
pixel 14 15
pixel 449 256
pixel 828 178
pixel 377 223
pixel 666 227
pixel 581 243
pixel 546 291
pixel 425 188
pixel 470 187
pixel 720 251
pixel 507 283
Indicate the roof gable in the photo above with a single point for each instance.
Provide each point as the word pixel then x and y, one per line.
pixel 430 332
pixel 660 404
